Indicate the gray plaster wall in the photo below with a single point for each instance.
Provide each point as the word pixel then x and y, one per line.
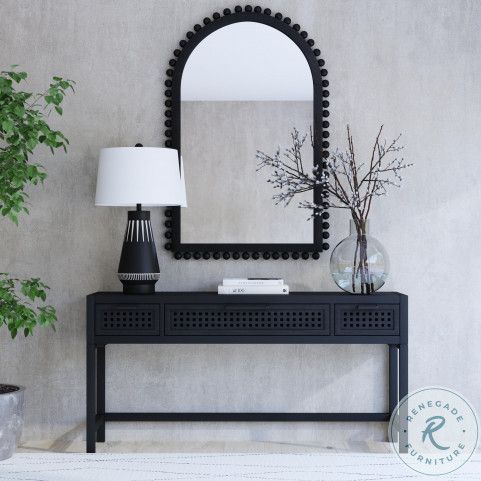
pixel 412 65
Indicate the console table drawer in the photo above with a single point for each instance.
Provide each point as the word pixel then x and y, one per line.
pixel 127 319
pixel 247 319
pixel 365 320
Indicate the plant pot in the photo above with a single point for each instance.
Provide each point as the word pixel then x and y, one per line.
pixel 12 407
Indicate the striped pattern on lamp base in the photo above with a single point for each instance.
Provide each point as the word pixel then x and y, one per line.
pixel 147 276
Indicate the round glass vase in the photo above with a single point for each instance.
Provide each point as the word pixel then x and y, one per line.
pixel 359 263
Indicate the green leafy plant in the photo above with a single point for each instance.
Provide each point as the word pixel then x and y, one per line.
pixel 19 314
pixel 23 127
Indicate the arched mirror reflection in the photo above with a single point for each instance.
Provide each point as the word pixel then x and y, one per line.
pixel 244 88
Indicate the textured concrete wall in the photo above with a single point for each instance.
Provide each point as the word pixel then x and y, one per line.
pixel 413 65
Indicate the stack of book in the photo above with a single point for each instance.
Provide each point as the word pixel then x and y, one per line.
pixel 253 285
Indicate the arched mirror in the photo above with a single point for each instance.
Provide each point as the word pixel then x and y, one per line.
pixel 241 85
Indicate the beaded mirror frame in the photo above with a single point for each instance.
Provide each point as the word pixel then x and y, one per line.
pixel 320 135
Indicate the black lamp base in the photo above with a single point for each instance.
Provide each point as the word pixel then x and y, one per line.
pixel 139 267
pixel 130 287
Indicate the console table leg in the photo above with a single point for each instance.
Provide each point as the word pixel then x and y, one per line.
pixel 393 377
pixel 91 398
pixel 403 370
pixel 403 391
pixel 101 391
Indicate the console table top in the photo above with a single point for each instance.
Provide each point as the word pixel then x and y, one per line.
pixel 241 296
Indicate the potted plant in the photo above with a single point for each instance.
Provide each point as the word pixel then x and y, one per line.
pixel 23 126
pixel 359 263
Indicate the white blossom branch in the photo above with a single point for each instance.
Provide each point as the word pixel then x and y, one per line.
pixel 349 184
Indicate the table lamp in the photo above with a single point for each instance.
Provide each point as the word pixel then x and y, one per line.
pixel 132 177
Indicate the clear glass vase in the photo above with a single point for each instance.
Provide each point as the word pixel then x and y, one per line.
pixel 359 263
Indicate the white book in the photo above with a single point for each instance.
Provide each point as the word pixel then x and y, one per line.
pixel 284 289
pixel 253 281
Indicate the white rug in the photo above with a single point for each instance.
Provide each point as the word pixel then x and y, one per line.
pixel 217 467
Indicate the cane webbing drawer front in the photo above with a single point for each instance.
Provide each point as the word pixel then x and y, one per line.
pixel 382 319
pixel 232 320
pixel 125 319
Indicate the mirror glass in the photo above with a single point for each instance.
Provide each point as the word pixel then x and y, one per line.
pixel 244 89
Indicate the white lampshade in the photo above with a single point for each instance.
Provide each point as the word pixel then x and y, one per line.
pixel 140 175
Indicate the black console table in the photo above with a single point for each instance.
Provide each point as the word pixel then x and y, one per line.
pixel 209 318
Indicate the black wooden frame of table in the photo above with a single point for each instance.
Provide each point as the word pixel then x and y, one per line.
pixel 209 318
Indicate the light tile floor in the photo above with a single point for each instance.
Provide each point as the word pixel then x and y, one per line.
pixel 73 441
pixel 78 446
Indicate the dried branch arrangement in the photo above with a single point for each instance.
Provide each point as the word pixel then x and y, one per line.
pixel 346 182
pixel 350 184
